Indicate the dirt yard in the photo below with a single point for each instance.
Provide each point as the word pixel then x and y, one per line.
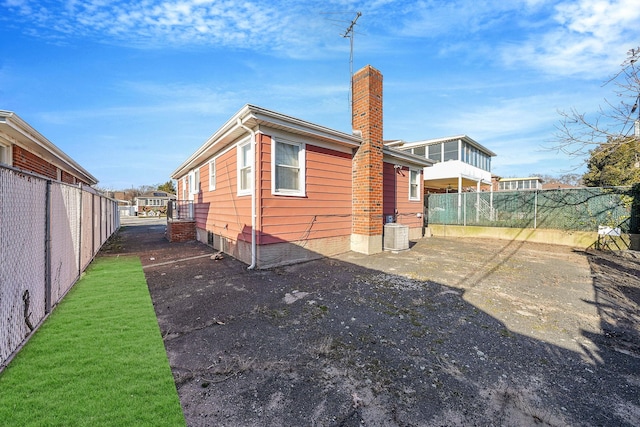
pixel 451 333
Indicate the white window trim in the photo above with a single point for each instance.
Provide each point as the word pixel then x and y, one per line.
pixel 240 146
pixel 302 192
pixel 417 172
pixel 194 182
pixel 185 190
pixel 212 174
pixel 6 155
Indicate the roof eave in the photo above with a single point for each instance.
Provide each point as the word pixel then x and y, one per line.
pixel 393 154
pixel 227 133
pixel 291 124
pixel 252 116
pixel 463 137
pixel 30 135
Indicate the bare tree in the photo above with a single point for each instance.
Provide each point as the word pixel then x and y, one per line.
pixel 577 134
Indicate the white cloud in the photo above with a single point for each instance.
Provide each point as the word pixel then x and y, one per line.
pixel 154 22
pixel 504 118
pixel 589 38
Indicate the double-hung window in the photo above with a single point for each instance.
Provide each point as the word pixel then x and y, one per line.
pixel 212 175
pixel 414 184
pixel 288 168
pixel 245 159
pixel 194 182
pixel 185 187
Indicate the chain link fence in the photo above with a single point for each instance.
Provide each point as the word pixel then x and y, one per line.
pixel 49 233
pixel 579 209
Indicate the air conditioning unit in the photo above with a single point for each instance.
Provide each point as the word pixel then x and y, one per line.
pixel 396 237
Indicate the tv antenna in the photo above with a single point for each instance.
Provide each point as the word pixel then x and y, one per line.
pixel 349 33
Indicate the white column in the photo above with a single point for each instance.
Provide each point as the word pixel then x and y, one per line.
pixel 459 198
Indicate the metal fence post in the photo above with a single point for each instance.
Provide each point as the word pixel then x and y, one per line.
pixel 93 224
pixel 464 210
pixel 80 231
pixel 535 210
pixel 47 249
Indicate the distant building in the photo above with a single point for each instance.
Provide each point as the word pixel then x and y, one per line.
pixel 459 162
pixel 556 186
pixel 153 203
pixel 513 184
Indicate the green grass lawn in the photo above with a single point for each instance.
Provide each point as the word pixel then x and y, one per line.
pixel 98 360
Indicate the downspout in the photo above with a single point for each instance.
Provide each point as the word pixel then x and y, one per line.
pixel 253 194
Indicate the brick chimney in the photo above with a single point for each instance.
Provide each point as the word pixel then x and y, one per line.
pixel 366 231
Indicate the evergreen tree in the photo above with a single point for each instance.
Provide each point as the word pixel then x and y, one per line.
pixel 168 187
pixel 613 163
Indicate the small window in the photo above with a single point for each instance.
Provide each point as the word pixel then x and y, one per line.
pixel 451 150
pixel 5 154
pixel 419 151
pixel 435 152
pixel 194 181
pixel 414 185
pixel 288 173
pixel 244 168
pixel 212 175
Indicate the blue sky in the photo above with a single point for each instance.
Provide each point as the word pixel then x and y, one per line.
pixel 130 89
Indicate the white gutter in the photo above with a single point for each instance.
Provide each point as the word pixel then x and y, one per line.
pixel 253 194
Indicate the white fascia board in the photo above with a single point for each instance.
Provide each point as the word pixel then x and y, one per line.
pixel 394 143
pixel 391 155
pixel 253 116
pixel 214 143
pixel 464 138
pixel 270 118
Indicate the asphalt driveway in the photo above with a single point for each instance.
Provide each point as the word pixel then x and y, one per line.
pixel 452 332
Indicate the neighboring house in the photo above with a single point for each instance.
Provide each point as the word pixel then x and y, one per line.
pixel 460 163
pixel 153 203
pixel 271 189
pixel 557 186
pixel 124 200
pixel 22 147
pixel 513 184
pixel 527 183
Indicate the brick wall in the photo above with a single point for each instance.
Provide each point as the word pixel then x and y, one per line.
pixel 26 160
pixel 368 160
pixel 181 231
pixel 68 178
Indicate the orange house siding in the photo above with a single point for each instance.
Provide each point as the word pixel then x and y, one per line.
pixel 222 211
pixel 324 212
pixel 396 197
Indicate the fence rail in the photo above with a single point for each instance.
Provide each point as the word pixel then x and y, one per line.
pixel 180 209
pixel 579 209
pixel 49 233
